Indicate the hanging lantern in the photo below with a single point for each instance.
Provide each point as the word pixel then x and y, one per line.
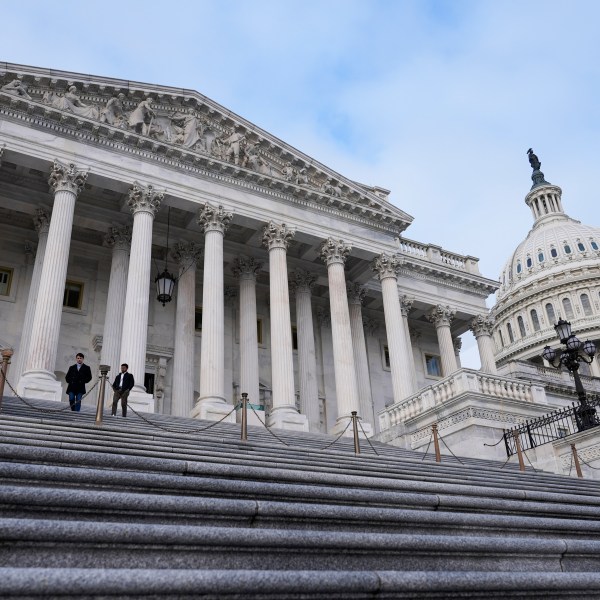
pixel 563 330
pixel 165 283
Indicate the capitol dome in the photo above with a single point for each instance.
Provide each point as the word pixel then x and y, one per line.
pixel 553 273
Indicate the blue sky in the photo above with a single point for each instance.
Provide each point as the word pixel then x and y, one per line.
pixel 436 100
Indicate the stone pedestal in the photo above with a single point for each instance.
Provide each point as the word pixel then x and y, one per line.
pixel 38 380
pixel 211 403
pixel 283 414
pixel 144 203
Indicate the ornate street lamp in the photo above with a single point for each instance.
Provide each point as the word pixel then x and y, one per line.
pixel 165 281
pixel 575 352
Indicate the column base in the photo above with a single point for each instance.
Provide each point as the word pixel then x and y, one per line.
pixel 40 385
pixel 212 409
pixel 140 401
pixel 341 423
pixel 286 417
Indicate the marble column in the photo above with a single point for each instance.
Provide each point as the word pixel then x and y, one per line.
pixel 457 343
pixel 144 203
pixel 119 239
pixel 211 403
pixel 482 327
pixel 302 283
pixel 405 306
pixel 38 380
pixel 356 294
pixel 441 317
pixel 283 414
pixel 334 254
pixel 186 254
pixel 246 269
pixel 387 266
pixel 41 222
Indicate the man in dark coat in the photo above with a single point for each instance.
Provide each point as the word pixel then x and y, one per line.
pixel 122 386
pixel 77 376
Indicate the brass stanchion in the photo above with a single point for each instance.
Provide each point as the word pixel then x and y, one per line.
pixel 576 461
pixel 104 369
pixel 519 451
pixel 355 432
pixel 436 443
pixel 244 434
pixel 6 356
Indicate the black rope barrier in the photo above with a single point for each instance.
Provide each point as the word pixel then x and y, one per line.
pixel 265 426
pixel 427 449
pixel 339 436
pixel 368 440
pixel 456 457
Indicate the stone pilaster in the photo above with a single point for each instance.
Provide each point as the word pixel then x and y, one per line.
pixel 356 294
pixel 284 414
pixel 302 283
pixel 119 239
pixel 334 254
pixel 144 203
pixel 441 317
pixel 186 254
pixel 387 266
pixel 41 222
pixel 482 327
pixel 38 380
pixel 405 307
pixel 246 269
pixel 211 403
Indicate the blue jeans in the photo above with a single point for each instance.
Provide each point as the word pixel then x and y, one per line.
pixel 75 400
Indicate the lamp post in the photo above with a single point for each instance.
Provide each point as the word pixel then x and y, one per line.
pixel 570 357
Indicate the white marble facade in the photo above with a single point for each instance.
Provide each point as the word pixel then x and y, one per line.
pixel 270 234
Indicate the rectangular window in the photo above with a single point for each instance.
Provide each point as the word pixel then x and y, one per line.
pixel 294 337
pixel 259 331
pixel 73 296
pixel 434 365
pixel 198 319
pixel 386 357
pixel 6 275
pixel 149 383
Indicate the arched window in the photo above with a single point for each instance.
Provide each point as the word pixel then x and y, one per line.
pixel 594 245
pixel 529 262
pixel 553 252
pixel 567 308
pixel 521 326
pixel 567 249
pixel 511 337
pixel 519 267
pixel 586 305
pixel 501 339
pixel 580 247
pixel 535 320
pixel 550 313
pixel 541 257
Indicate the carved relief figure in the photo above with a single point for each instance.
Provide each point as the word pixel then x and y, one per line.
pixel 330 188
pixel 234 143
pixel 288 172
pixel 140 120
pixel 113 112
pixel 70 102
pixel 302 177
pixel 191 129
pixel 16 88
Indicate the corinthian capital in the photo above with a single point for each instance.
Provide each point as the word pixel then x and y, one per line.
pixel 277 236
pixel 334 251
pixel 41 220
pixel 118 237
pixel 66 178
pixel 144 199
pixel 246 267
pixel 186 254
pixel 406 304
pixel 214 219
pixel 356 292
pixel 441 316
pixel 482 325
pixel 302 281
pixel 386 265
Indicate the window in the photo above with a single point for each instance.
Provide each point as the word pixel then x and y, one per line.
pixel 149 383
pixel 511 337
pixel 553 252
pixel 198 319
pixel 567 308
pixel 434 365
pixel 586 305
pixel 521 326
pixel 501 339
pixel 294 337
pixel 519 267
pixel 386 357
pixel 580 247
pixel 567 249
pixel 6 276
pixel 73 295
pixel 529 262
pixel 550 313
pixel 594 245
pixel 259 331
pixel 541 257
pixel 535 320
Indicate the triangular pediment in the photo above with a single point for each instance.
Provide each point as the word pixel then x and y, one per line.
pixel 188 128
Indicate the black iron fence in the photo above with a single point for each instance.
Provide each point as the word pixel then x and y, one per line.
pixel 551 427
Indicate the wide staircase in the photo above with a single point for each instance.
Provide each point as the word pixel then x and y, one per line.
pixel 180 508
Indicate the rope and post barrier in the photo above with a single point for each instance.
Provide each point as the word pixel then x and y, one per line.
pixel 436 443
pixel 6 356
pixel 244 432
pixel 104 369
pixel 355 432
pixel 576 461
pixel 519 451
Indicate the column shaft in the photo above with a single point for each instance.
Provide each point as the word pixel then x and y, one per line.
pixel 482 327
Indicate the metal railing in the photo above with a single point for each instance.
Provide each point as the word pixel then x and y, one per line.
pixel 549 428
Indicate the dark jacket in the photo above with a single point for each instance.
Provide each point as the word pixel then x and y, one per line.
pixel 128 381
pixel 78 378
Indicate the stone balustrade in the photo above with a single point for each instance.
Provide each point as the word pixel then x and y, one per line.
pixel 462 382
